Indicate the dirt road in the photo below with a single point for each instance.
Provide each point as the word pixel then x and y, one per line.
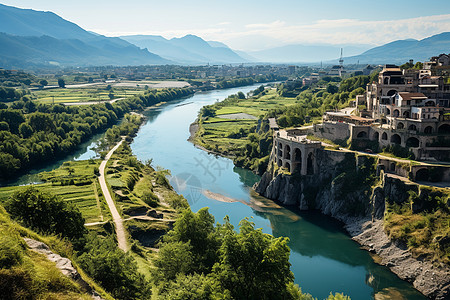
pixel 118 222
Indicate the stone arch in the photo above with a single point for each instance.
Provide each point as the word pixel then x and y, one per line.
pixel 388 112
pixel 428 129
pixel 396 139
pixel 400 125
pixel 297 155
pixel 362 135
pixel 280 149
pixel 384 136
pixel 287 165
pixel 391 92
pixel 396 113
pixel 406 114
pixel 412 142
pixel 376 136
pixel 297 160
pixel 445 128
pixel 280 162
pixel 287 152
pixel 422 175
pixel 392 167
pixel 412 127
pixel 429 103
pixel 310 164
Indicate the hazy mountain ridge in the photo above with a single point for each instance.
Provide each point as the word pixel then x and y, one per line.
pixel 41 38
pixel 305 53
pixel 189 49
pixel 403 50
pixel 32 37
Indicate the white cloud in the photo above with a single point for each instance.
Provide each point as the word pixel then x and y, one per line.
pixel 345 31
pixel 339 31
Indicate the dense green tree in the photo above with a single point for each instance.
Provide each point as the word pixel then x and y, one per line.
pixel 332 89
pixel 253 265
pixel 115 270
pixel 246 265
pixel 61 83
pixel 197 229
pixel 46 213
pixel 43 82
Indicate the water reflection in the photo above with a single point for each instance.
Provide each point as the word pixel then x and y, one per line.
pixel 324 259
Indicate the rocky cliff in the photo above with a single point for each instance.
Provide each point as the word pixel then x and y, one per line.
pixel 349 188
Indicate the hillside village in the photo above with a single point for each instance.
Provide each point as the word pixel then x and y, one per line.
pixel 407 109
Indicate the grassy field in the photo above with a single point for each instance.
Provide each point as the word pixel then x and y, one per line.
pixel 93 93
pixel 257 107
pixel 76 182
pixel 227 135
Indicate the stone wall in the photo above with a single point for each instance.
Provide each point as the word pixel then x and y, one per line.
pixel 361 208
pixel 332 131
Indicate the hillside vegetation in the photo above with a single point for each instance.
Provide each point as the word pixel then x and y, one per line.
pixel 31 134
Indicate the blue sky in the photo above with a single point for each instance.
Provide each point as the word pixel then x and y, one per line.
pixel 254 25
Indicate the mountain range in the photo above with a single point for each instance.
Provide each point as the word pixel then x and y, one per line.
pixel 36 38
pixel 401 51
pixel 189 49
pixel 30 37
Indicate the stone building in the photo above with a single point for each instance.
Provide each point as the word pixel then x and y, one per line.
pixel 295 153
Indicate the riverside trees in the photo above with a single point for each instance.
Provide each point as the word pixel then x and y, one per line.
pixel 37 134
pixel 200 260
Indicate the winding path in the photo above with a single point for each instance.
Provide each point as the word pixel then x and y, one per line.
pixel 118 222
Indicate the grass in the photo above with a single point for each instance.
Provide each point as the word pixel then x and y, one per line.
pixel 34 276
pixel 74 181
pixel 257 107
pixel 97 93
pixel 229 136
pixel 426 233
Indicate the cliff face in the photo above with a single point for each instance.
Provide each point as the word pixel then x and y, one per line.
pixel 335 189
pixel 347 188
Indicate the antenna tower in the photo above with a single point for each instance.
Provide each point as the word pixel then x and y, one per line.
pixel 341 60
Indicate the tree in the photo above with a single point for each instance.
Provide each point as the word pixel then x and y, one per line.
pixel 418 65
pixel 25 130
pixel 246 265
pixel 174 258
pixel 43 82
pixel 46 213
pixel 61 83
pixel 253 265
pixel 115 270
pixel 332 89
pixel 197 229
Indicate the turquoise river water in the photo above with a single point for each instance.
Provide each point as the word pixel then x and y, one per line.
pixel 324 258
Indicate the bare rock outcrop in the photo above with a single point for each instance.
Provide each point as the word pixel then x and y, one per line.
pixel 62 263
pixel 361 209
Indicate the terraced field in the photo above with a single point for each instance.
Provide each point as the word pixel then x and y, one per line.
pixel 96 93
pixel 75 182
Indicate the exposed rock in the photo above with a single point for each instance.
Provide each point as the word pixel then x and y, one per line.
pixel 62 263
pixel 154 214
pixel 362 212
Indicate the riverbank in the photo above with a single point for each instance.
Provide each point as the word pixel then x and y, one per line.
pixel 376 213
pixel 429 279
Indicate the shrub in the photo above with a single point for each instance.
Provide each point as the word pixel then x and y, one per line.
pixel 46 213
pixel 150 198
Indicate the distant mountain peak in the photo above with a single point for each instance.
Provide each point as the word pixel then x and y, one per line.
pixel 189 49
pixel 37 37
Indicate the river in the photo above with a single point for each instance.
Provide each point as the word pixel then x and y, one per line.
pixel 324 258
